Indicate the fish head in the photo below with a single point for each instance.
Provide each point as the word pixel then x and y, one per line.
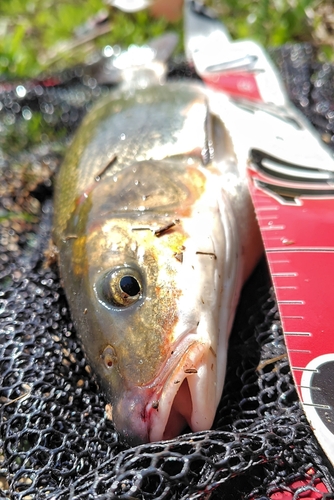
pixel 150 265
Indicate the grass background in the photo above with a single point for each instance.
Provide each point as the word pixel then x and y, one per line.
pixel 44 36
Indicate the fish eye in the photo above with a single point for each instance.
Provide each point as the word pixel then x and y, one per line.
pixel 122 287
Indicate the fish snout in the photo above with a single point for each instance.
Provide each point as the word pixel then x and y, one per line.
pixel 131 416
pixel 136 415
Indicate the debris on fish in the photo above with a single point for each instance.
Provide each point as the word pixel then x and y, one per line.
pixel 156 235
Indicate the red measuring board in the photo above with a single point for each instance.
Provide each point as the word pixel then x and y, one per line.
pixel 299 244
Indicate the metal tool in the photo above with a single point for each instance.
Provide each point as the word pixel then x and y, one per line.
pixel 291 179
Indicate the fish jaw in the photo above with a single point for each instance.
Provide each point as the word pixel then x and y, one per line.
pixel 187 395
pixel 181 396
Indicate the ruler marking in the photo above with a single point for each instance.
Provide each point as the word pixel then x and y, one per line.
pixel 303 351
pixel 267 217
pixel 308 387
pixel 284 275
pixel 321 407
pixel 301 249
pixel 279 261
pixel 286 287
pixel 301 369
pixel 292 317
pixel 299 334
pixel 291 302
pixel 272 228
pixel 266 208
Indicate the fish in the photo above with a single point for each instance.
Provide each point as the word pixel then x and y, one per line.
pixel 156 235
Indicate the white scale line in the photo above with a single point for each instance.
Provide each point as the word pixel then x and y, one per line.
pixel 279 261
pixel 292 317
pixel 301 369
pixel 266 208
pixel 271 238
pixel 284 275
pixel 321 407
pixel 267 217
pixel 298 334
pixel 292 302
pixel 272 228
pixel 314 388
pixel 292 249
pixel 303 351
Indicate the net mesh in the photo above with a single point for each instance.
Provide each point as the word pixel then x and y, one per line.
pixel 56 441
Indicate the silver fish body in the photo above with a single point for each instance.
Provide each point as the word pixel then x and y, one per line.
pixel 156 235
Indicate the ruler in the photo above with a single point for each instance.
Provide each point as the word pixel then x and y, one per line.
pixel 298 237
pixel 291 181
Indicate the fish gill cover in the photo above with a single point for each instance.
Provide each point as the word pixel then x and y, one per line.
pixel 56 441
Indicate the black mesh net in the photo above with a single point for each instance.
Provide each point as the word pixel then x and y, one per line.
pixel 56 441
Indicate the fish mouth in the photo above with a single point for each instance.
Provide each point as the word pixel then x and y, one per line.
pixel 182 394
pixel 187 395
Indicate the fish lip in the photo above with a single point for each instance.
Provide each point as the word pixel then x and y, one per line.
pixel 169 380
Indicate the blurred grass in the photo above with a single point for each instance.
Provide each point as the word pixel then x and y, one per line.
pixel 46 35
pixel 271 22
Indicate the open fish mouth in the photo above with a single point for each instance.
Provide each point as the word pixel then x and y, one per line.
pixel 183 398
pixel 180 396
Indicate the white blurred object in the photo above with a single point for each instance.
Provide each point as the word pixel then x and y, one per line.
pixel 148 62
pixel 130 5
